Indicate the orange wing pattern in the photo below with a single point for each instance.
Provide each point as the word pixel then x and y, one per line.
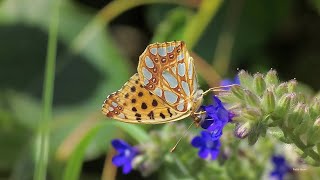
pixel 135 104
pixel 167 70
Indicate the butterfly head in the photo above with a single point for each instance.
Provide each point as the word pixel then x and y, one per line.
pixel 197 100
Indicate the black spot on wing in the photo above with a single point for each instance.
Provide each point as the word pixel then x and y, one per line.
pixel 154 103
pixel 162 116
pixel 151 115
pixel 144 106
pixel 169 112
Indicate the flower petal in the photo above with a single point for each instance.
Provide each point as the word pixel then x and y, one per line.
pixel 214 154
pixel 120 145
pixel 205 135
pixel 210 109
pixel 216 133
pixel 223 115
pixel 206 123
pixel 278 160
pixel 217 102
pixel 119 160
pixel 127 167
pixel 197 141
pixel 203 153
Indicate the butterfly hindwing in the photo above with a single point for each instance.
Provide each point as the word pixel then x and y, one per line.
pixel 167 70
pixel 135 104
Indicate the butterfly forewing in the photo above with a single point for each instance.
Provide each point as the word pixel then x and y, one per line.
pixel 135 104
pixel 167 70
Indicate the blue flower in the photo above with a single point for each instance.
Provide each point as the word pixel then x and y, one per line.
pixel 125 155
pixel 226 82
pixel 207 145
pixel 280 167
pixel 216 118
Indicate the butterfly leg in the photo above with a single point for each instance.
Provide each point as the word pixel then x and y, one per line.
pixel 199 117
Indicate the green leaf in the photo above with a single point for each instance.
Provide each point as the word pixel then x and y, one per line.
pixel 74 164
pixel 134 131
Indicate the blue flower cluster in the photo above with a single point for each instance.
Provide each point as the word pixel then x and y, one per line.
pixel 125 155
pixel 281 168
pixel 216 118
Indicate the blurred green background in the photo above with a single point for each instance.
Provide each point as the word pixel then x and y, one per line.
pixel 98 45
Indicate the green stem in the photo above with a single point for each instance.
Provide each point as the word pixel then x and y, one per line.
pixel 108 13
pixel 223 51
pixel 297 141
pixel 200 21
pixel 42 138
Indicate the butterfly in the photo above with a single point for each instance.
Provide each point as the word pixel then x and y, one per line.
pixel 165 89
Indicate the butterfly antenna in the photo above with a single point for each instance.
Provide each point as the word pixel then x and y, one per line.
pixel 184 134
pixel 215 89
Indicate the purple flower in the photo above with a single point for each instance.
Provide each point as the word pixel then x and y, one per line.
pixel 125 155
pixel 280 167
pixel 216 118
pixel 207 145
pixel 226 82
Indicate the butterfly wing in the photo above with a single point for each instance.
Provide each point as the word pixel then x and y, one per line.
pixel 167 70
pixel 135 104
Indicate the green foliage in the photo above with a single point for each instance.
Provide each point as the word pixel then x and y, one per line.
pixel 264 102
pixel 90 64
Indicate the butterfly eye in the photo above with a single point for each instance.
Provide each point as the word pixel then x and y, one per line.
pixel 163 60
pixel 171 56
pixel 179 50
pixel 119 107
pixel 156 60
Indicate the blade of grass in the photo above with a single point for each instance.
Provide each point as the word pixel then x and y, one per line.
pixel 108 13
pixel 42 137
pixel 223 51
pixel 200 21
pixel 74 164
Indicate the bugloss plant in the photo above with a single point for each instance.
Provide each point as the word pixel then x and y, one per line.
pixel 262 103
pixel 253 105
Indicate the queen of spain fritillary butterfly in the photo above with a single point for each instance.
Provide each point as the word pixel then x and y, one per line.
pixel 165 89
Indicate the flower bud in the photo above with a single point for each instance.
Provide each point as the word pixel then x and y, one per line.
pixel 251 99
pixel 259 85
pixel 238 92
pixel 245 79
pixel 268 101
pixel 228 97
pixel 301 98
pixel 284 104
pixel 242 130
pixel 256 130
pixel 305 124
pixel 292 85
pixel 297 115
pixel 272 78
pixel 315 108
pixel 282 89
pixel 313 135
pixel 138 160
pixel 247 114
